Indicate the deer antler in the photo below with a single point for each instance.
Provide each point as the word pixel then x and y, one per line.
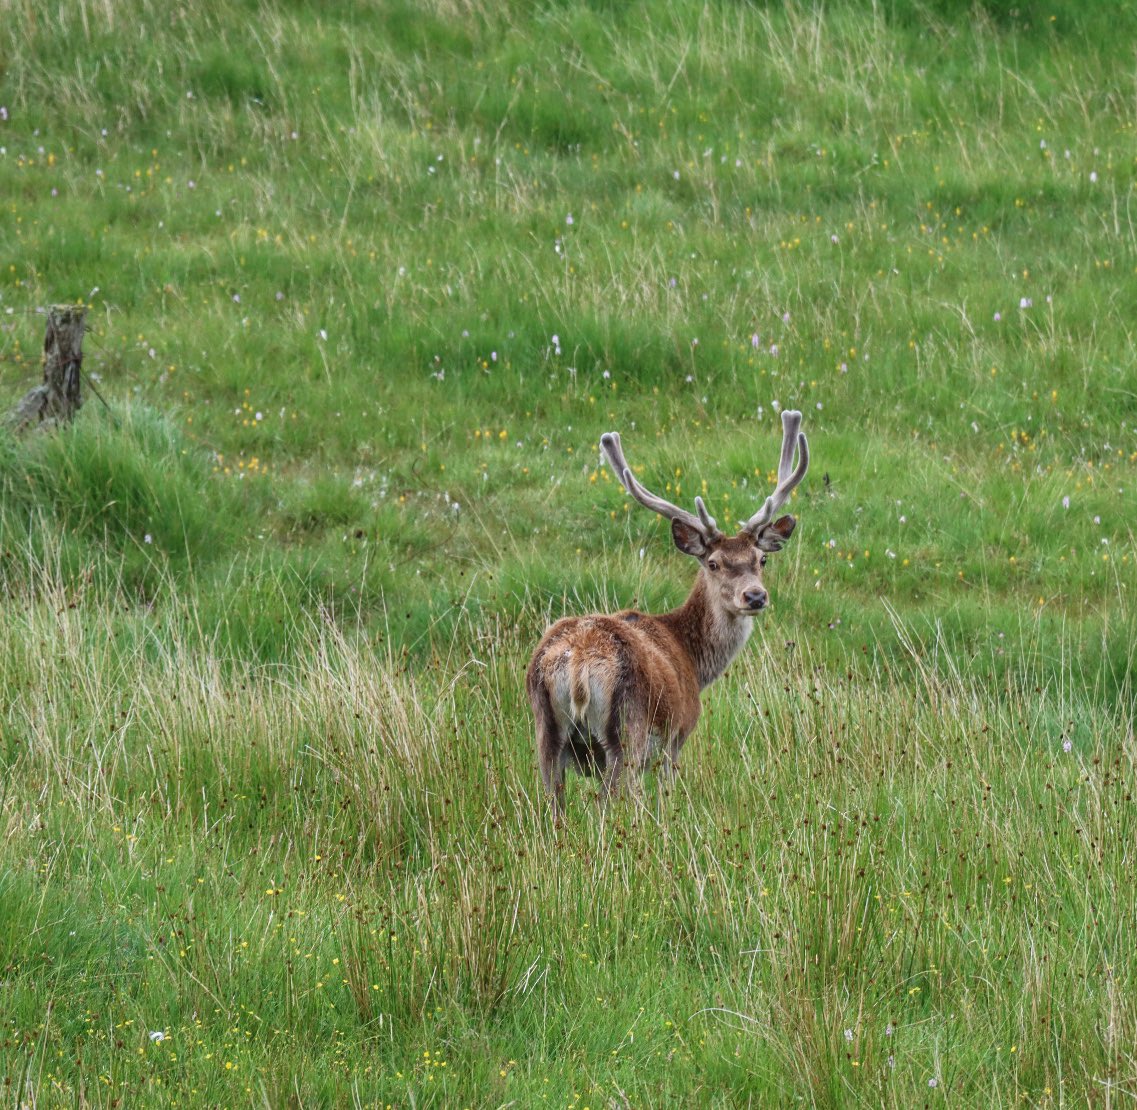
pixel 792 439
pixel 704 523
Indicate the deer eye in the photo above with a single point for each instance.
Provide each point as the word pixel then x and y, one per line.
pixel 762 561
pixel 712 564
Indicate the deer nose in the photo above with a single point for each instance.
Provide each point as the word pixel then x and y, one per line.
pixel 756 599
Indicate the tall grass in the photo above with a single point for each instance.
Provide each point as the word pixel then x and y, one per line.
pixel 336 876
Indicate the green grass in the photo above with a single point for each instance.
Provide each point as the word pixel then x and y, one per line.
pixel 267 784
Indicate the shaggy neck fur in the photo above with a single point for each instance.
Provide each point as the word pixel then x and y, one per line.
pixel 710 636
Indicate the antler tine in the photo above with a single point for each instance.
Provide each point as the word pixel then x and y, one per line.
pixel 793 439
pixel 708 521
pixel 614 453
pixel 791 425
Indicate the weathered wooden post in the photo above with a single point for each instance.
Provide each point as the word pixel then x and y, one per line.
pixel 57 399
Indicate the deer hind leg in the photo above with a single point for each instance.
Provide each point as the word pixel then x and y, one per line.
pixel 552 750
pixel 667 771
pixel 613 777
pixel 627 749
pixel 669 759
pixel 614 759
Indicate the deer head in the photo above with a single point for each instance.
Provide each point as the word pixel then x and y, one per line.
pixel 731 565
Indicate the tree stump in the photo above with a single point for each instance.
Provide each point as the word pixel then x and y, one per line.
pixel 57 399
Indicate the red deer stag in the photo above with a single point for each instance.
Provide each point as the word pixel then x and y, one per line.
pixel 611 691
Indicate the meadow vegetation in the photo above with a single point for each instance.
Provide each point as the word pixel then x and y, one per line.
pixel 366 282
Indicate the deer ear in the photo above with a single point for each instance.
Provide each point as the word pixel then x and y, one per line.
pixel 689 540
pixel 774 536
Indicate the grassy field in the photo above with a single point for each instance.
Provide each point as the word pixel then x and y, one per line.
pixel 366 282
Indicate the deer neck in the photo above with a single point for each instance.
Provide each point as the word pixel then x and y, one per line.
pixel 711 636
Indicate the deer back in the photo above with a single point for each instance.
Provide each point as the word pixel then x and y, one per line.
pixel 599 669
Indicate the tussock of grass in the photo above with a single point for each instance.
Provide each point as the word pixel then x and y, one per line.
pixel 116 479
